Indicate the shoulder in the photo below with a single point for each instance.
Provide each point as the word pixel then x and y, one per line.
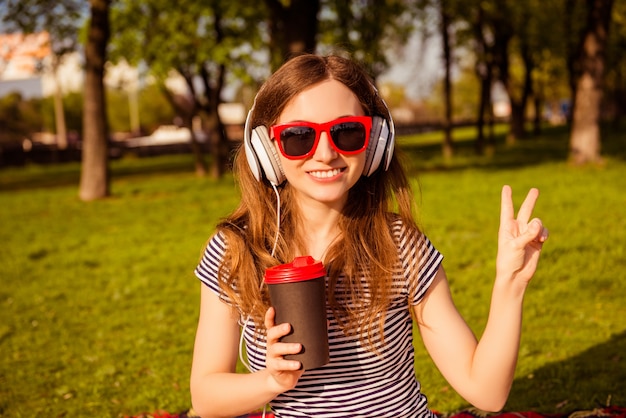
pixel 216 246
pixel 407 235
pixel 210 266
pixel 419 258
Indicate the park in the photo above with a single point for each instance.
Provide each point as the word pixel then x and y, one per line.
pixel 99 303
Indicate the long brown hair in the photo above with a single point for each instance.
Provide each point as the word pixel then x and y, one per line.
pixel 365 248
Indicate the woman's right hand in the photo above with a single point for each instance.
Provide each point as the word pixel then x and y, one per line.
pixel 285 373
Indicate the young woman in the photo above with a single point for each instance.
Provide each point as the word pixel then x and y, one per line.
pixel 319 159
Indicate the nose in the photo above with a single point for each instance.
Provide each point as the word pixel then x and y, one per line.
pixel 325 151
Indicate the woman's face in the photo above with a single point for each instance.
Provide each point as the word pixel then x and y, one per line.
pixel 326 176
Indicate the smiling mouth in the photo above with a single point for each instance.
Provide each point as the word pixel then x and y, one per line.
pixel 326 173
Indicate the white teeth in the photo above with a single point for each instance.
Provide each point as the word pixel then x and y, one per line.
pixel 325 174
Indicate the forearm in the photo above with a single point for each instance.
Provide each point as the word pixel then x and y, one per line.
pixel 495 357
pixel 231 394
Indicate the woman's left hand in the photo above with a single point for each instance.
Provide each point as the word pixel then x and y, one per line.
pixel 519 239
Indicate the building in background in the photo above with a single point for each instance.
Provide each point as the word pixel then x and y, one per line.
pixel 25 66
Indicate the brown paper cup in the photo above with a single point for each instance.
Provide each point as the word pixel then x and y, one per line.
pixel 298 294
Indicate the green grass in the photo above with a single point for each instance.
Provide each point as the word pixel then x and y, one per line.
pixel 98 303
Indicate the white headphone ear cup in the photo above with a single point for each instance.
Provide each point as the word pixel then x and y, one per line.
pixel 253 161
pixel 378 144
pixel 266 154
pixel 391 143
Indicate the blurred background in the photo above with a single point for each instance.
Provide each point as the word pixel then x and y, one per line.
pixel 154 76
pixel 118 121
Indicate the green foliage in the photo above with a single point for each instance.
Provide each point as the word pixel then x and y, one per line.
pixel 118 110
pixel 465 95
pixel 73 105
pixel 154 109
pixel 98 302
pixel 368 30
pixel 188 36
pixel 19 118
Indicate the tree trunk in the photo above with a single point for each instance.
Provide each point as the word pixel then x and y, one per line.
pixel 519 103
pixel 485 70
pixel 538 105
pixel 293 28
pixel 94 179
pixel 447 147
pixel 518 119
pixel 189 119
pixel 218 139
pixel 196 148
pixel 585 135
pixel 571 49
pixel 59 114
pixel 479 144
pixel 218 145
pixel 619 98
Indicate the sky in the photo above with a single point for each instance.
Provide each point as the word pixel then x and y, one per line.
pixel 418 68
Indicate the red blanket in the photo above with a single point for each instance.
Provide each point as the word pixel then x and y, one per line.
pixel 605 412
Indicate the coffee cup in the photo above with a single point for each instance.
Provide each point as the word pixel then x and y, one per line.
pixel 298 295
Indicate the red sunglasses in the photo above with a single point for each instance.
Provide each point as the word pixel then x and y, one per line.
pixel 348 135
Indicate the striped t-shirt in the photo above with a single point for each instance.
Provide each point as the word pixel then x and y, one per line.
pixel 357 382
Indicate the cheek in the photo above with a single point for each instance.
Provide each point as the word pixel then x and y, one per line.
pixel 289 166
pixel 358 163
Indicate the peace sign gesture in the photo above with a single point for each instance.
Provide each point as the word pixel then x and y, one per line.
pixel 519 239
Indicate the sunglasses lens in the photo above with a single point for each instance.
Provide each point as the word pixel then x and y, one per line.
pixel 297 140
pixel 348 136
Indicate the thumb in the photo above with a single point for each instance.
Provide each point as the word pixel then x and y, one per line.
pixel 269 318
pixel 533 232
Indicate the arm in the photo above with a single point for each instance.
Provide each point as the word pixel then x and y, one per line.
pixel 482 371
pixel 216 390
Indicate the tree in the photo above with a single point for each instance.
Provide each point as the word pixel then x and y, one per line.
pixel 293 28
pixel 61 20
pixel 530 49
pixel 445 27
pixel 585 134
pixel 485 34
pixel 94 176
pixel 203 43
pixel 615 80
pixel 368 29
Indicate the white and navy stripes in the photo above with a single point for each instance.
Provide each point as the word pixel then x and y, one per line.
pixel 358 381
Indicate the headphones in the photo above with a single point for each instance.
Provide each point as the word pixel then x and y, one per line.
pixel 262 155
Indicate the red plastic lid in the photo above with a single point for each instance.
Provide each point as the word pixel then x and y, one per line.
pixel 300 269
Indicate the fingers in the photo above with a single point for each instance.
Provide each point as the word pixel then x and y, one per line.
pixel 269 317
pixel 276 350
pixel 527 207
pixel 507 211
pixel 506 205
pixel 544 234
pixel 537 231
pixel 533 232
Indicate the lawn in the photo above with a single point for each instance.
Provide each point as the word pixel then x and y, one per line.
pixel 98 302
